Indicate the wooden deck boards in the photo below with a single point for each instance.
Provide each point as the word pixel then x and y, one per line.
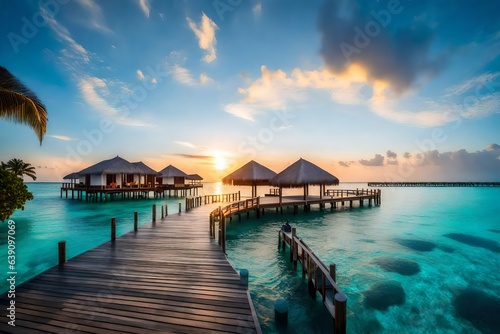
pixel 168 277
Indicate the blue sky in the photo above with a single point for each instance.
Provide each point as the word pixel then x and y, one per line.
pixel 386 90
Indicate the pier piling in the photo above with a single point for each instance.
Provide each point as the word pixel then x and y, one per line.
pixel 62 252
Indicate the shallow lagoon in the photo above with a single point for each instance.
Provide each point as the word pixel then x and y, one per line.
pixel 426 260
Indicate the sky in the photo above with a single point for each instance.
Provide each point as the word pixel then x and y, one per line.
pixel 368 90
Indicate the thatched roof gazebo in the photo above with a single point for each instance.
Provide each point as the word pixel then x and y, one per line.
pixel 303 173
pixel 251 174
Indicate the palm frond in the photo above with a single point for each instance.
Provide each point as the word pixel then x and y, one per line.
pixel 21 105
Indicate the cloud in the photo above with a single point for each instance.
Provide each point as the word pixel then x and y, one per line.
pixel 279 89
pixel 187 144
pixel 76 49
pixel 184 76
pixel 96 19
pixel 60 137
pixel 257 9
pixel 194 156
pixel 378 160
pixel 140 75
pixel 345 163
pixel 205 32
pixel 145 7
pixel 493 147
pixel 407 155
pixel 391 155
pixel 95 92
pixel 399 54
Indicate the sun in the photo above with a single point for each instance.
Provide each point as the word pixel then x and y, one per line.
pixel 219 161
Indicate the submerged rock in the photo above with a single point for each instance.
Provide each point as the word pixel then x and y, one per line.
pixel 401 266
pixel 494 230
pixel 474 241
pixel 382 295
pixel 420 245
pixel 480 308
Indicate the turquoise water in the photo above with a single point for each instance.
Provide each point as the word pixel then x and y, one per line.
pixel 437 246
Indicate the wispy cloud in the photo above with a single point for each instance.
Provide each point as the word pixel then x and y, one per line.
pixel 257 8
pixel 140 75
pixel 60 137
pixel 96 19
pixel 184 76
pixel 187 144
pixel 64 35
pixel 205 32
pixel 145 7
pixel 95 92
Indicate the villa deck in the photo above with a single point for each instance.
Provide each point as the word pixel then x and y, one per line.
pixel 169 276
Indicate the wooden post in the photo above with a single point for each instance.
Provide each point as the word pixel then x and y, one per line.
pixel 340 303
pixel 333 271
pixel 166 210
pixel 62 252
pixel 154 213
pixel 180 207
pixel 162 215
pixel 279 239
pixel 113 229
pixel 295 247
pixel 223 234
pixel 135 221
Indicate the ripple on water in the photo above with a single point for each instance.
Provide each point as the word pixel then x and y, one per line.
pixel 480 308
pixel 381 296
pixel 401 266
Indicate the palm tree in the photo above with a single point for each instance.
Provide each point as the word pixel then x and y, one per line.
pixel 21 105
pixel 20 168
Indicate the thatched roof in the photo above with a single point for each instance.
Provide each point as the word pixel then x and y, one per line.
pixel 116 165
pixel 251 173
pixel 146 170
pixel 194 177
pixel 171 171
pixel 301 173
pixel 72 176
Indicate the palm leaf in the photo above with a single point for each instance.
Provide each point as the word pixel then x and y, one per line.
pixel 21 105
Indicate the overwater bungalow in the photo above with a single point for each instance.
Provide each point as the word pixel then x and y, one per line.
pixel 172 176
pixel 148 179
pixel 112 173
pixel 194 179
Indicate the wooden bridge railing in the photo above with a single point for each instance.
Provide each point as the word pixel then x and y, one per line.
pixel 320 278
pixel 347 193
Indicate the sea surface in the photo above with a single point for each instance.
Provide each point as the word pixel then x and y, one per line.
pixel 427 260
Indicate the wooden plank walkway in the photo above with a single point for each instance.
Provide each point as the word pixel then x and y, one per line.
pixel 168 277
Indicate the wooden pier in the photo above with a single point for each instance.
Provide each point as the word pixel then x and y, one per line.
pixel 168 276
pixel 320 279
pixel 332 197
pixel 433 184
pixel 106 193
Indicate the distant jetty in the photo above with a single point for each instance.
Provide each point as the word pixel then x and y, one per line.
pixel 433 184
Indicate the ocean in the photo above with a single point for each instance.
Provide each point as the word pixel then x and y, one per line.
pixel 425 261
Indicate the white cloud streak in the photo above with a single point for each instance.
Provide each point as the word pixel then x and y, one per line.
pixel 205 32
pixel 145 7
pixel 61 137
pixel 64 36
